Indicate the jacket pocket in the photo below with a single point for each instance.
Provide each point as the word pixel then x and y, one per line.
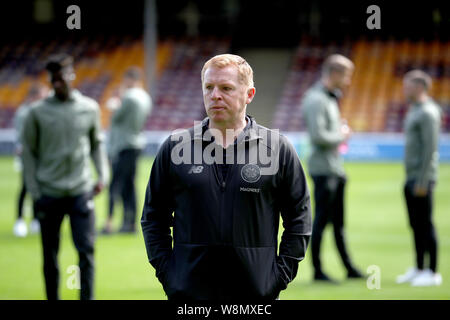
pixel 84 204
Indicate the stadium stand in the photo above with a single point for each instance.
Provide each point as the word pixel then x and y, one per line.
pixel 179 98
pixel 374 102
pixel 100 63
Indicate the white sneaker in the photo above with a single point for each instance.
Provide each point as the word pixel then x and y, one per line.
pixel 408 276
pixel 427 278
pixel 35 227
pixel 20 228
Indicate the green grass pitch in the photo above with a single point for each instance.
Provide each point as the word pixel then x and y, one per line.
pixel 376 226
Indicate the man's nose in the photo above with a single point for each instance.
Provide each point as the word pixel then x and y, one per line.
pixel 215 94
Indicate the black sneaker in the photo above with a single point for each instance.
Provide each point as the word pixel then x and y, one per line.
pixel 355 274
pixel 320 276
pixel 127 229
pixel 106 231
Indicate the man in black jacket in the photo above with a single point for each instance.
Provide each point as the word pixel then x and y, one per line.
pixel 222 185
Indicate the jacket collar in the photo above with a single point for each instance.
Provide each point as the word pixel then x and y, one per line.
pixel 73 95
pixel 420 104
pixel 336 93
pixel 249 133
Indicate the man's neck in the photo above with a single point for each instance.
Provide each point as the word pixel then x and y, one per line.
pixel 125 88
pixel 133 85
pixel 420 99
pixel 63 97
pixel 221 136
pixel 326 82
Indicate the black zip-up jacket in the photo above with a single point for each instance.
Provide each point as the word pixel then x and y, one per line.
pixel 225 233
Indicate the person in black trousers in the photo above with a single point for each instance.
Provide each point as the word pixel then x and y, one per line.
pixel 51 212
pixel 329 199
pixel 60 135
pixel 122 185
pixel 125 143
pixel 327 132
pixel 422 126
pixel 225 215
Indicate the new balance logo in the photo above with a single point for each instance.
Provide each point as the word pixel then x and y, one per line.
pixel 195 169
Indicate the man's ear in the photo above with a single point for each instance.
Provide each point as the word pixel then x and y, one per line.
pixel 250 94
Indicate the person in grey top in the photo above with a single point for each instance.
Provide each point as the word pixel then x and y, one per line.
pixel 326 132
pixel 125 142
pixel 60 135
pixel 37 91
pixel 421 128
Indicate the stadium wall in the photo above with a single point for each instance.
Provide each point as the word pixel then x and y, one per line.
pixel 369 147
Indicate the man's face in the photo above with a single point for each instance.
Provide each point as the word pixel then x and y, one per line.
pixel 61 80
pixel 342 80
pixel 127 83
pixel 225 98
pixel 411 90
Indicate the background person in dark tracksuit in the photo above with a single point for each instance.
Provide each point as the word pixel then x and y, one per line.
pixel 125 142
pixel 60 134
pixel 326 133
pixel 225 217
pixel 422 126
